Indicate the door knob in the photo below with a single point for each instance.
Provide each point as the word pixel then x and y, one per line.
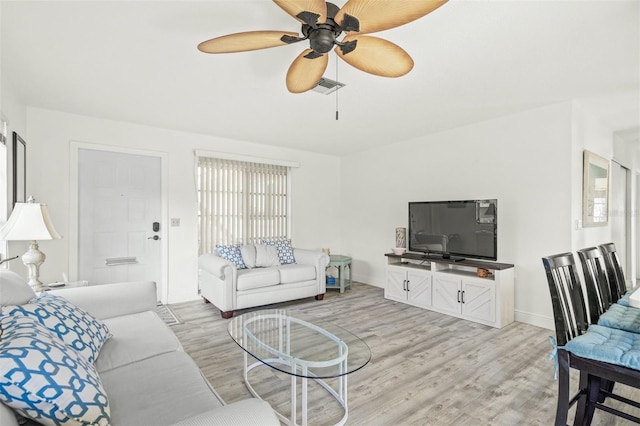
pixel 155 237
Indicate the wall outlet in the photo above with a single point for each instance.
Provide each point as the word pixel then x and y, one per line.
pixel 175 221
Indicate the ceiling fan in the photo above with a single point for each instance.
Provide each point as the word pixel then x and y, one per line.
pixel 322 24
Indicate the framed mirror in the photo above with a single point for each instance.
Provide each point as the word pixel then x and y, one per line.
pixel 595 190
pixel 19 169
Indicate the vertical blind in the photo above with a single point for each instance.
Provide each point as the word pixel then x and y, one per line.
pixel 240 202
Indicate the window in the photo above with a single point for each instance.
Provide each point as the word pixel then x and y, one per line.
pixel 240 202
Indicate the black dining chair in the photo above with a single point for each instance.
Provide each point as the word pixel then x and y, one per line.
pixel 596 283
pixel 615 273
pixel 602 355
pixel 602 307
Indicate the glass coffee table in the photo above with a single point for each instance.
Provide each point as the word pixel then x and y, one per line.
pixel 303 347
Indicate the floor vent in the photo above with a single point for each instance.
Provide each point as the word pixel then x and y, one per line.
pixel 326 86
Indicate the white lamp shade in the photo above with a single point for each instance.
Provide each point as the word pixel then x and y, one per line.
pixel 29 221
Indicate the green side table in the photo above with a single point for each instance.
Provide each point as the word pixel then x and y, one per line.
pixel 340 263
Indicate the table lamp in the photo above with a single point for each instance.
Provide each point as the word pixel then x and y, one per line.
pixel 30 222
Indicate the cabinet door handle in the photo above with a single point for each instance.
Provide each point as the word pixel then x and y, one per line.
pixel 408 285
pixel 404 285
pixel 458 296
pixel 462 296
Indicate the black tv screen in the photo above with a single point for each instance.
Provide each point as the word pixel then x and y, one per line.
pixel 453 229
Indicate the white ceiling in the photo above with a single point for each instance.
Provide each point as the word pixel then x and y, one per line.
pixel 136 61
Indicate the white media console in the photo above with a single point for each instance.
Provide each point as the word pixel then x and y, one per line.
pixel 453 287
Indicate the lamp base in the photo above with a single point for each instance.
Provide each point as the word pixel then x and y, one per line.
pixel 32 259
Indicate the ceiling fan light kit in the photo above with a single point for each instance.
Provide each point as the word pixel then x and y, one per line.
pixel 327 86
pixel 322 24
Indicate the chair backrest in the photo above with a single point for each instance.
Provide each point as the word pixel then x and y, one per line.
pixel 569 311
pixel 615 273
pixel 596 283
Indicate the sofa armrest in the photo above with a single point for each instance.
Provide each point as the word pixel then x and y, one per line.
pixel 317 258
pixel 311 257
pixel 112 300
pixel 251 411
pixel 216 265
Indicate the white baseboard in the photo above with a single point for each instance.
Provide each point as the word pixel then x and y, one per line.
pixel 535 319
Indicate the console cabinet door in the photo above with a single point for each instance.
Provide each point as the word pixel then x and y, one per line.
pixel 479 299
pixel 446 293
pixel 419 288
pixel 395 289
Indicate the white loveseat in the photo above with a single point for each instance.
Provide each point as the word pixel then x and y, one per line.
pixel 229 288
pixel 147 378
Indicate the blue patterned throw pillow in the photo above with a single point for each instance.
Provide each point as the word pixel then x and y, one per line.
pixel 72 325
pixel 285 251
pixel 45 380
pixel 232 254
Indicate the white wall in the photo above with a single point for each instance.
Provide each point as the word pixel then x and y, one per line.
pixel 15 112
pixel 50 133
pixel 590 134
pixel 524 160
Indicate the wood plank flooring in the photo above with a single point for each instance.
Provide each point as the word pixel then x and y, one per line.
pixel 426 368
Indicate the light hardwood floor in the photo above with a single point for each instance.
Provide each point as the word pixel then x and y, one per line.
pixel 426 368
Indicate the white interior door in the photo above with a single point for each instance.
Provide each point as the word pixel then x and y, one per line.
pixel 119 200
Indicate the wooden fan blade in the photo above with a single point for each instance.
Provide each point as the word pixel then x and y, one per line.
pixel 377 56
pixel 296 7
pixel 243 42
pixel 304 73
pixel 379 15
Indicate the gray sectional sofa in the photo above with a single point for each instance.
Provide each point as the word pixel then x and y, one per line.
pixel 141 368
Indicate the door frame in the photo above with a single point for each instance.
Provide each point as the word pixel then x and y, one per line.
pixel 75 147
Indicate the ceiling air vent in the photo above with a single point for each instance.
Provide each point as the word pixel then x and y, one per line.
pixel 326 86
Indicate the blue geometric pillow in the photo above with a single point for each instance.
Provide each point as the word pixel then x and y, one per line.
pixel 45 380
pixel 285 251
pixel 71 324
pixel 232 254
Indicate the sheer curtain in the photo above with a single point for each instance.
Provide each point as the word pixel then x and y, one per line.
pixel 240 202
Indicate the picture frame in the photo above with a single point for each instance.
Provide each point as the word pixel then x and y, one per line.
pixel 19 169
pixel 595 190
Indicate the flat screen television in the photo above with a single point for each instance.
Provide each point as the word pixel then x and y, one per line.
pixel 454 229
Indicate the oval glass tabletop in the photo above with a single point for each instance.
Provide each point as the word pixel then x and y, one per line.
pixel 299 344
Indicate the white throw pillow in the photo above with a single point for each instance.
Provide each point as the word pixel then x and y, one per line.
pixel 248 255
pixel 14 290
pixel 266 256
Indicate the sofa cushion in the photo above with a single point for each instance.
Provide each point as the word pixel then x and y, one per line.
pixel 46 380
pixel 251 411
pixel 256 278
pixel 266 256
pixel 248 252
pixel 232 254
pixel 135 337
pixel 14 290
pixel 259 255
pixel 161 390
pixel 75 327
pixel 296 273
pixel 285 251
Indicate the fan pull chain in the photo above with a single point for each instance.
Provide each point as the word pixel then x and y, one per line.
pixel 337 79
